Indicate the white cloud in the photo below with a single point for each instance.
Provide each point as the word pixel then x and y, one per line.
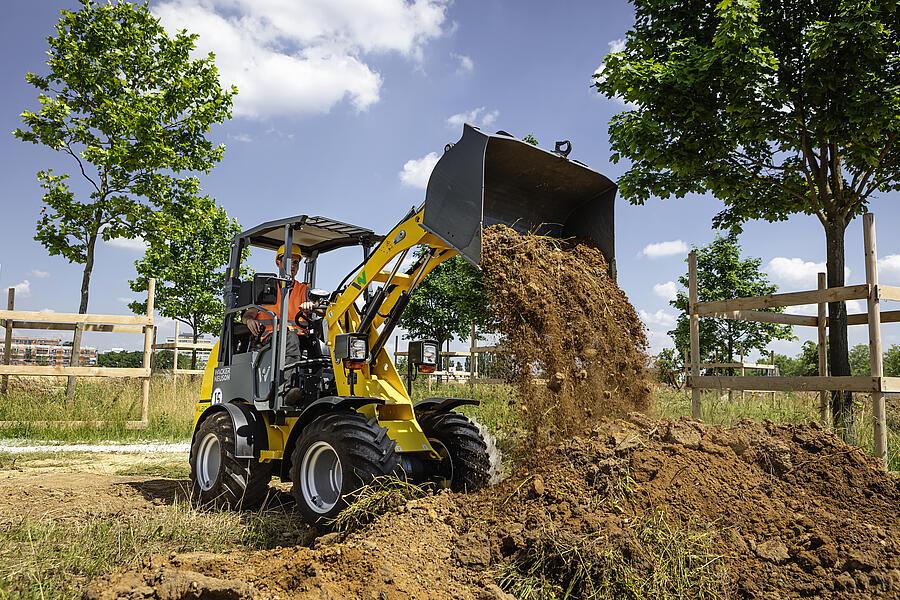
pixel 660 249
pixel 480 117
pixel 304 56
pixel 39 274
pixel 667 290
pixel 660 318
pixel 889 269
pixel 23 289
pixel 125 300
pixel 416 172
pixel 466 64
pixel 797 272
pixel 136 245
pixel 616 45
pixel 240 137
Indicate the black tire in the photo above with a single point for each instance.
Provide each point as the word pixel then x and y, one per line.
pixel 238 483
pixel 465 448
pixel 346 442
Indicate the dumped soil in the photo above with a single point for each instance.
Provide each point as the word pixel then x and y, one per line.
pixel 567 322
pixel 634 508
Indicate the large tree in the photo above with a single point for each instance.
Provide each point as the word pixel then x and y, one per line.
pixel 132 109
pixel 723 274
pixel 777 107
pixel 187 252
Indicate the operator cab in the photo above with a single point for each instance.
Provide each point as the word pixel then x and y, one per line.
pixel 260 374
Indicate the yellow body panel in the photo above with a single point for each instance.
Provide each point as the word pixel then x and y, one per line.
pixel 378 380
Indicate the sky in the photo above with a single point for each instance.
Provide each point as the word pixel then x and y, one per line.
pixel 343 108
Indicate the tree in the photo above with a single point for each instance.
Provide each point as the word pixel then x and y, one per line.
pixel 804 364
pixel 775 107
pixel 892 361
pixel 132 109
pixel 188 249
pixel 722 275
pixel 447 303
pixel 859 360
pixel 670 368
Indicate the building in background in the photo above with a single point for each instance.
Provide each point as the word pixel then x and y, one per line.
pixel 187 338
pixel 48 351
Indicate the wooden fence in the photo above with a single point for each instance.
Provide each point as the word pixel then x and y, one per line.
pixel 11 319
pixel 179 346
pixel 750 309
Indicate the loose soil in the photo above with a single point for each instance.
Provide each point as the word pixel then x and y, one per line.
pixel 751 511
pixel 566 321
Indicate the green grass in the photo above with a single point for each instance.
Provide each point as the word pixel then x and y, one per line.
pixel 112 400
pixel 49 557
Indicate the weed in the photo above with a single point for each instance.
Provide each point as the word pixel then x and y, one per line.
pixel 366 504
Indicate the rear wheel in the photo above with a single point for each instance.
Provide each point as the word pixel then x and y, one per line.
pixel 336 454
pixel 218 478
pixel 465 463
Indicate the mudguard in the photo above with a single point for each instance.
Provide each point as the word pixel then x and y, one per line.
pixel 442 404
pixel 249 430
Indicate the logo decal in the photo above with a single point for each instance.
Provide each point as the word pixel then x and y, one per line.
pixel 361 278
pixel 217 396
pixel 264 373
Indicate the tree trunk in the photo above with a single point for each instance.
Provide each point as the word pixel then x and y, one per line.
pixel 82 309
pixel 194 350
pixel 838 345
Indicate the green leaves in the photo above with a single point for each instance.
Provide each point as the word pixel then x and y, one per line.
pixel 723 275
pixel 132 109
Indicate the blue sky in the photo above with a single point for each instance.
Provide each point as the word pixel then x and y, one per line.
pixel 340 105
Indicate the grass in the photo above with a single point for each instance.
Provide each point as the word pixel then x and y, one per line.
pixel 383 495
pixel 662 560
pixel 789 407
pixel 113 400
pixel 48 557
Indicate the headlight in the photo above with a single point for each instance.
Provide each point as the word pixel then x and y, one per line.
pixel 429 354
pixel 358 349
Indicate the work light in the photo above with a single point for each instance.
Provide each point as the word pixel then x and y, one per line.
pixel 424 354
pixel 352 349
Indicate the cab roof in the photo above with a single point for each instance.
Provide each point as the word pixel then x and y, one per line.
pixel 313 234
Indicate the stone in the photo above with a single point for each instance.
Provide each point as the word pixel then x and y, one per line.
pixel 537 486
pixel 773 551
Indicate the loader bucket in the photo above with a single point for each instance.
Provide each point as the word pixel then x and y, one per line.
pixel 487 179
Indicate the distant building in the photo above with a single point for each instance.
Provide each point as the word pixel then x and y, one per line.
pixel 187 338
pixel 48 351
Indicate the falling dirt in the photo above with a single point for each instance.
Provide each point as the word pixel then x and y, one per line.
pixel 634 508
pixel 568 324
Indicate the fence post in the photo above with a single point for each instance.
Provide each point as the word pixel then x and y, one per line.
pixel 473 371
pixel 175 355
pixel 148 351
pixel 876 365
pixel 824 400
pixel 695 333
pixel 7 343
pixel 74 360
pixel 743 372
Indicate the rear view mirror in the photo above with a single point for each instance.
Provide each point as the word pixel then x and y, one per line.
pixel 265 288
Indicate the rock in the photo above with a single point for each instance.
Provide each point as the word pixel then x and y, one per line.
pixel 492 591
pixel 683 434
pixel 328 538
pixel 857 561
pixel 472 551
pixel 773 551
pixel 537 486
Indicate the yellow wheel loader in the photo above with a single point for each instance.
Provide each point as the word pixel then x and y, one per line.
pixel 340 416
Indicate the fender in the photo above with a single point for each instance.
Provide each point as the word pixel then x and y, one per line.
pixel 249 430
pixel 321 406
pixel 442 404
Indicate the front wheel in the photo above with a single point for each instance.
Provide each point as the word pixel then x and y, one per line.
pixel 336 454
pixel 218 478
pixel 465 464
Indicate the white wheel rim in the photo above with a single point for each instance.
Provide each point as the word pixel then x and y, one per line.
pixel 321 477
pixel 444 453
pixel 209 462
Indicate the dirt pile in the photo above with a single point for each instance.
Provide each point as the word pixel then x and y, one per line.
pixel 566 321
pixel 635 508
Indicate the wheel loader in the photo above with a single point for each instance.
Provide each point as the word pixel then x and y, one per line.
pixel 340 416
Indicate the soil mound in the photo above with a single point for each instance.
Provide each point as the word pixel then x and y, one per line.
pixel 635 508
pixel 565 321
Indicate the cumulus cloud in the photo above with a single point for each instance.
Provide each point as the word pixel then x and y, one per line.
pixel 480 117
pixel 416 172
pixel 304 56
pixel 23 288
pixel 889 269
pixel 658 319
pixel 797 272
pixel 666 291
pixel 240 137
pixel 660 249
pixel 616 45
pixel 466 64
pixel 39 274
pixel 136 245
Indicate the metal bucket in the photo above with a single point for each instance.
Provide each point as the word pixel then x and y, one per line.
pixel 487 179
